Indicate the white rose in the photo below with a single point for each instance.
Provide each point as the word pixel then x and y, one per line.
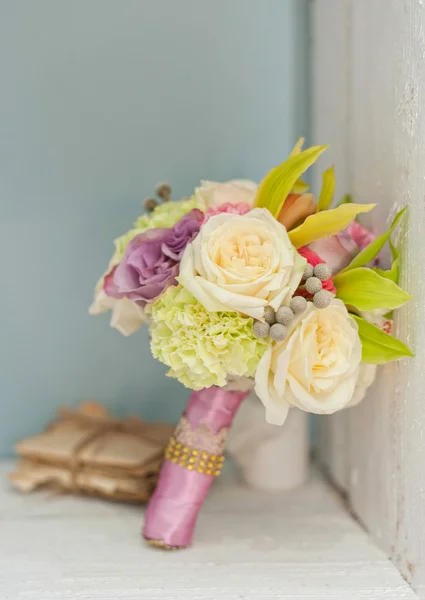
pixel 211 193
pixel 127 316
pixel 242 263
pixel 367 374
pixel 315 368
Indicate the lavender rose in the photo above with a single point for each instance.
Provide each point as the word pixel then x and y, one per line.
pixel 151 261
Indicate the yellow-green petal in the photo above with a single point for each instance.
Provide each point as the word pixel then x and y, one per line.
pixel 377 346
pixel 326 223
pixel 328 189
pixel 300 187
pixel 373 249
pixel 298 146
pixel 346 199
pixel 279 182
pixel 393 272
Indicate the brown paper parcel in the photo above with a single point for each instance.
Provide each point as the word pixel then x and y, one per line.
pixel 87 451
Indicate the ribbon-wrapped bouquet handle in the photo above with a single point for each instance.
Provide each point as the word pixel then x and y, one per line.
pixel 193 459
pixel 251 282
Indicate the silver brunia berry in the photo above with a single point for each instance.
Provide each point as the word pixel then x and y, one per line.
pixel 260 329
pixel 284 315
pixel 298 304
pixel 278 332
pixel 313 285
pixel 322 272
pixel 322 299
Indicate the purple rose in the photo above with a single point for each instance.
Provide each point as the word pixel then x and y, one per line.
pixel 151 261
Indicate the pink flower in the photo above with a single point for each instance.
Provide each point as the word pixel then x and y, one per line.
pixel 387 326
pixel 359 234
pixel 339 250
pixel 239 208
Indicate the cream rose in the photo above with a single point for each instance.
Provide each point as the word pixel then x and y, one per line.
pixel 211 193
pixel 241 263
pixel 127 316
pixel 315 368
pixel 367 374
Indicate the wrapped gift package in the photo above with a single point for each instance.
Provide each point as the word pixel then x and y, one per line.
pixel 87 451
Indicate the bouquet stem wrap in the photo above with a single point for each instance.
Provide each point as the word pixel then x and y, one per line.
pixel 193 458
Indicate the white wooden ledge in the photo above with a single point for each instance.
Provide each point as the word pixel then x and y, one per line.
pixel 249 546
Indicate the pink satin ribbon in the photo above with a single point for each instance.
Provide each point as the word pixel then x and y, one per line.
pixel 173 509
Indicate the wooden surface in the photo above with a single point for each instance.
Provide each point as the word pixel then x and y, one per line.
pixel 249 546
pixel 369 103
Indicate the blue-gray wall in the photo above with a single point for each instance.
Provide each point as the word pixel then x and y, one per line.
pixel 100 100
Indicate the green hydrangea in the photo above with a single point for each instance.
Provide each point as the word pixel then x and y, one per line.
pixel 202 348
pixel 164 215
pixel 167 214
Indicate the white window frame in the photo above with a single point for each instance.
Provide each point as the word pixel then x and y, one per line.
pixel 369 104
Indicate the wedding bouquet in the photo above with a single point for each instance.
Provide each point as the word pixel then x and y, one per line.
pixel 247 286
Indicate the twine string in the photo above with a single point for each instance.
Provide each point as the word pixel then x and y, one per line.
pixel 131 426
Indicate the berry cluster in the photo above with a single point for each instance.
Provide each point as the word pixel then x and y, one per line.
pixel 275 324
pixel 163 191
pixel 313 278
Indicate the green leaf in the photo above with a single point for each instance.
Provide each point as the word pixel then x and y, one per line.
pixel 393 272
pixel 377 346
pixel 395 252
pixel 279 182
pixel 388 274
pixel 396 261
pixel 328 189
pixel 374 248
pixel 367 290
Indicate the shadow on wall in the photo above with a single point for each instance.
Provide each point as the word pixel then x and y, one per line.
pixel 100 101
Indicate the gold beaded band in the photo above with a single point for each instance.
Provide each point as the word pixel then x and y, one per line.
pixel 162 545
pixel 193 459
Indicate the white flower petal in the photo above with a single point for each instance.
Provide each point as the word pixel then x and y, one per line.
pixel 127 316
pixel 367 374
pixel 101 302
pixel 211 193
pixel 276 406
pixel 242 263
pixel 316 368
